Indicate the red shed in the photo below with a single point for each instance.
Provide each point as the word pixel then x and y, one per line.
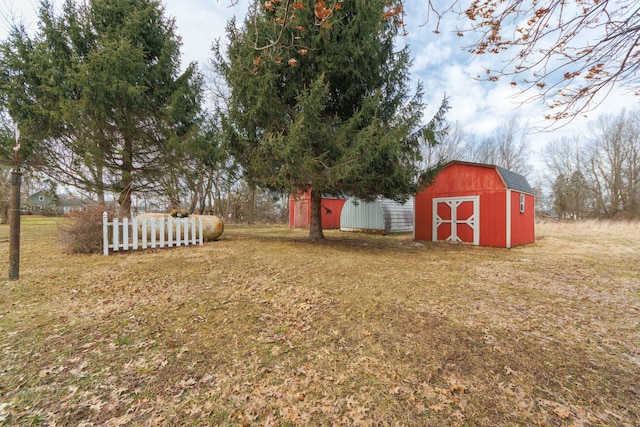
pixel 300 210
pixel 475 203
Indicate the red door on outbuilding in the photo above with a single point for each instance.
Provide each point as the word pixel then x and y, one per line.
pixel 478 204
pixel 300 211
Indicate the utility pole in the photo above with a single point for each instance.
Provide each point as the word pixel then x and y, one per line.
pixel 14 214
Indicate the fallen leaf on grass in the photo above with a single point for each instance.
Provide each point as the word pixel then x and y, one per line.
pixel 120 421
pixel 614 415
pixel 183 350
pixel 562 411
pixel 276 351
pixel 459 415
pixel 156 422
pixel 188 383
pixel 456 386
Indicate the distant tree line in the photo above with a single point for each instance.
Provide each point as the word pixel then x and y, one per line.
pixel 507 146
pixel 597 174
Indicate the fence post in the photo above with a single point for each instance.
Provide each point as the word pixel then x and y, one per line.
pixel 162 232
pixel 153 233
pixel 134 231
pixel 200 231
pixel 125 234
pixel 116 233
pixel 105 233
pixel 144 233
pixel 185 225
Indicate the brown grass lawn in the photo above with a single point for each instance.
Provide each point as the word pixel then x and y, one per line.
pixel 263 328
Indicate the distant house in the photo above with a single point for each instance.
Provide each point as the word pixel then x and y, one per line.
pixel 475 203
pixel 44 203
pixel 40 202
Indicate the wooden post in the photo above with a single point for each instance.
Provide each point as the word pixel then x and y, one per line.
pixel 14 226
pixel 14 213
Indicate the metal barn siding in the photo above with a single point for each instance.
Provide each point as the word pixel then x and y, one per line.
pixel 381 215
pixel 475 203
pixel 300 211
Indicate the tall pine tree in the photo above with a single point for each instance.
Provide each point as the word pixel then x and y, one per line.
pixel 320 99
pixel 99 96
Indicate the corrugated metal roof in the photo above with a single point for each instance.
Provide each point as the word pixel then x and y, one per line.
pixel 398 217
pixel 383 215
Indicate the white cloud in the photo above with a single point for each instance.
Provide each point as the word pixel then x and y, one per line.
pixel 430 55
pixel 200 23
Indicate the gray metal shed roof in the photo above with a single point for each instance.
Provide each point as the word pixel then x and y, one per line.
pixel 514 181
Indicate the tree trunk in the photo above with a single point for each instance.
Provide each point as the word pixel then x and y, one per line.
pixel 227 210
pixel 315 228
pixel 100 185
pixel 4 213
pixel 216 201
pixel 124 198
pixel 207 197
pixel 252 204
pixel 194 203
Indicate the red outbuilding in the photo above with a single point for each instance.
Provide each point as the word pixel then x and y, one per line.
pixel 300 211
pixel 475 203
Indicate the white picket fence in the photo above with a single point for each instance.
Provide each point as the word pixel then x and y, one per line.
pixel 149 233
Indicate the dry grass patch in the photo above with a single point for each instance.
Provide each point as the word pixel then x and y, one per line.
pixel 263 328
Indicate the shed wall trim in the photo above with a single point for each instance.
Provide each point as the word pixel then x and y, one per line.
pixel 508 220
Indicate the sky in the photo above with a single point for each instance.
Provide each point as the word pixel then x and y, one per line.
pixel 440 62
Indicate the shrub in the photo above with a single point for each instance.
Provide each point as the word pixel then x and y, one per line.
pixel 81 232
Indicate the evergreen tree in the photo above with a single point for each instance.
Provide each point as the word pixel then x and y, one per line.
pixel 98 94
pixel 322 103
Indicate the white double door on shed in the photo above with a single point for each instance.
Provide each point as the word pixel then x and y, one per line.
pixel 456 219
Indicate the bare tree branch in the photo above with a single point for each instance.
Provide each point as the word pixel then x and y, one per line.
pixel 570 52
